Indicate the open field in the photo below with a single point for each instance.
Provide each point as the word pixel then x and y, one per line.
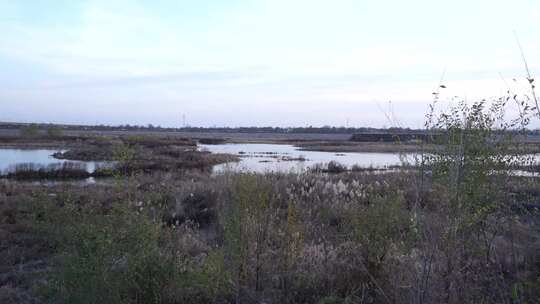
pixel 235 137
pixel 305 141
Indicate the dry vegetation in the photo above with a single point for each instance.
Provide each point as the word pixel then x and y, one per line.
pixel 459 227
pixel 350 237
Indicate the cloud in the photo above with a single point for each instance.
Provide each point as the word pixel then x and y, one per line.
pixel 301 57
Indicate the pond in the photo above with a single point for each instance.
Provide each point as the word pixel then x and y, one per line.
pixel 253 158
pixel 40 157
pixel 287 158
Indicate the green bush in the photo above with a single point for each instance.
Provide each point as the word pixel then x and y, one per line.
pixel 379 227
pixel 108 258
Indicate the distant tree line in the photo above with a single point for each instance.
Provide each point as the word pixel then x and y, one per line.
pixel 310 129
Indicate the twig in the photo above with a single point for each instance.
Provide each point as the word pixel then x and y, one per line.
pixel 529 77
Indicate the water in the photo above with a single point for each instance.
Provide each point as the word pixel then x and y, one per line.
pixel 285 158
pixel 253 157
pixel 41 157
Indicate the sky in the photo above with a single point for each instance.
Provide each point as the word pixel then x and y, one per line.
pixel 257 62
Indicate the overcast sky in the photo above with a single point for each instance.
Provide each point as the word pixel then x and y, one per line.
pixel 256 62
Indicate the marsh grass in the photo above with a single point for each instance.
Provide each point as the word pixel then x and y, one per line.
pixel 352 237
pixel 455 227
pixel 63 170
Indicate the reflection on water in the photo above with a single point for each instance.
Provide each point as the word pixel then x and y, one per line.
pixel 287 158
pixel 41 157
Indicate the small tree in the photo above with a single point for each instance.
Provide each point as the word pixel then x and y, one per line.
pixel 478 148
pixel 477 151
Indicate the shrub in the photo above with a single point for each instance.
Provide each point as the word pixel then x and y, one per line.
pixel 335 167
pixel 114 258
pixel 469 174
pixel 198 207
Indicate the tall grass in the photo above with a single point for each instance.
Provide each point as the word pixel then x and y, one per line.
pixel 299 238
pixel 456 228
pixel 52 171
